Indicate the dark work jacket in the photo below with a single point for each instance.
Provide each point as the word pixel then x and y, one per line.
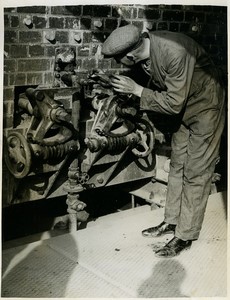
pixel 182 70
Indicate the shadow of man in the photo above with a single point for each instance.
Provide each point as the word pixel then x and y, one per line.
pixel 165 281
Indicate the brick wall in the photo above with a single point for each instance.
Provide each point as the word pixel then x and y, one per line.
pixel 30 44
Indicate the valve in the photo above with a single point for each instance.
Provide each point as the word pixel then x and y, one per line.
pixel 147 139
pixel 17 155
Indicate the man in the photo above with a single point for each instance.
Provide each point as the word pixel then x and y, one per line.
pixel 189 88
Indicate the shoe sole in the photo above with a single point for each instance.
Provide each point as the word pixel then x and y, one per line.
pixel 156 236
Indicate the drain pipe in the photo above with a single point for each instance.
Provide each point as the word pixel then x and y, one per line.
pixel 73 187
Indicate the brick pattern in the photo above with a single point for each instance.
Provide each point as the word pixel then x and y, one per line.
pixel 29 55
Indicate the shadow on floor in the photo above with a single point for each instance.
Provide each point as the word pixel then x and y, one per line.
pixel 165 280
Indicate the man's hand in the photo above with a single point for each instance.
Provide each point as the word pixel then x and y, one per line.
pixel 126 85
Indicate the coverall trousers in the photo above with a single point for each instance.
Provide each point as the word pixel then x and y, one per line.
pixel 195 149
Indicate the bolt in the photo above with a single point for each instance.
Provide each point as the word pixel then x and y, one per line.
pixel 20 166
pixel 13 142
pixel 100 179
pixel 38 153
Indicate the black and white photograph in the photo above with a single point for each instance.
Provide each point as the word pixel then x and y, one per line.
pixel 114 145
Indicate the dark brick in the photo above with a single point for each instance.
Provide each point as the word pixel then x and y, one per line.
pixel 18 79
pixel 39 22
pixel 220 9
pixel 115 12
pixel 184 27
pixel 10 10
pixel 8 94
pixel 164 6
pixel 104 64
pixel 198 8
pixel 111 24
pixel 5 80
pixel 199 39
pixel 14 21
pixel 171 15
pixel 56 23
pixel 27 65
pixel 34 78
pixel 124 22
pixel 85 23
pixel 66 10
pixel 6 21
pixel 8 121
pixel 177 7
pixel 216 18
pixel 101 11
pixel 10 37
pixel 126 12
pixel 153 6
pixel 87 37
pixel 98 37
pixel 10 65
pixel 213 49
pixel 62 37
pixel 162 26
pixel 72 23
pixel 134 13
pixel 192 16
pixel 32 9
pixel 30 37
pixel 36 50
pixel 214 39
pixel 149 13
pixel 174 27
pixel 18 51
pixel 83 50
pixel 87 10
pixel 50 51
pixel 8 107
pixel 89 63
pixel 7 49
pixel 48 78
pixel 74 10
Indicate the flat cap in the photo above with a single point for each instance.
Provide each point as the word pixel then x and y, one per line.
pixel 120 40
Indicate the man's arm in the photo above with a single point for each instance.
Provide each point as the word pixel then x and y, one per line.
pixel 178 80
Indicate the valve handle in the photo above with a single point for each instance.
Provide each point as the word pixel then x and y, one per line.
pixel 147 139
pixel 17 155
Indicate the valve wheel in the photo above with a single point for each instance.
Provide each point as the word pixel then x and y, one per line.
pixel 17 155
pixel 147 141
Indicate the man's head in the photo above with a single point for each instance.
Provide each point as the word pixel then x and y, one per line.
pixel 126 45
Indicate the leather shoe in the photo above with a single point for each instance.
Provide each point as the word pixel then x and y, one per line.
pixel 173 248
pixel 159 230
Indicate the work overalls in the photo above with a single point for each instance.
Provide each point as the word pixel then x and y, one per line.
pixel 190 85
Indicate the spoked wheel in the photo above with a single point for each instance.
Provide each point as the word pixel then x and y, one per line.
pixel 147 141
pixel 17 155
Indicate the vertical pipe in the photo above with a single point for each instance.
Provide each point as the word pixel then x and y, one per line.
pixel 73 169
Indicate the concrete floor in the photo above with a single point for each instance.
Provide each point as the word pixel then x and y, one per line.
pixel 110 258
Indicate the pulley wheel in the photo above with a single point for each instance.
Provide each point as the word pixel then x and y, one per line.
pixel 17 155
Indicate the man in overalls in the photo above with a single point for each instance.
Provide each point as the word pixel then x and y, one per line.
pixel 188 87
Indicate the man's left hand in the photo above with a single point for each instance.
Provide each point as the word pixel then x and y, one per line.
pixel 126 85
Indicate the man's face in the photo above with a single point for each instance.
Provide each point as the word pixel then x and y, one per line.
pixel 133 56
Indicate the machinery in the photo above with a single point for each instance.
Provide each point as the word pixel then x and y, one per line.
pixel 75 136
